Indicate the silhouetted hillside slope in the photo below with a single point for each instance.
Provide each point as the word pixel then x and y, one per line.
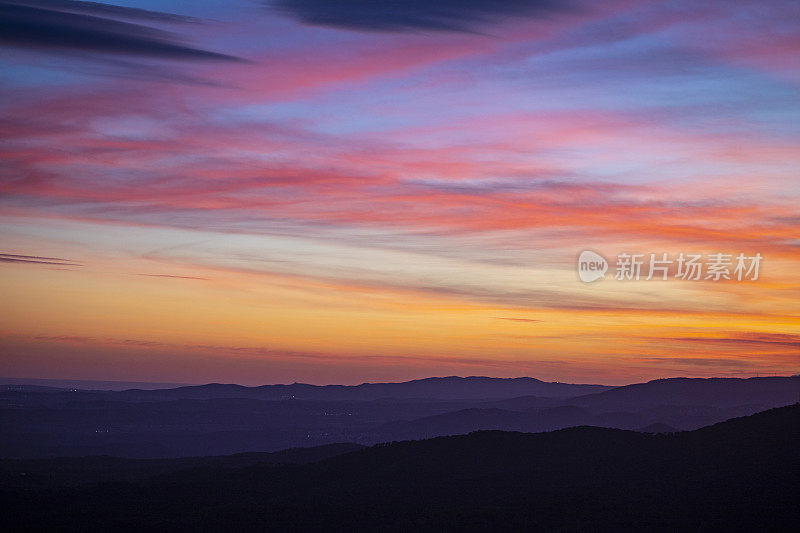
pixel 716 392
pixel 658 427
pixel 68 471
pixel 743 474
pixel 549 419
pixel 145 424
pixel 35 427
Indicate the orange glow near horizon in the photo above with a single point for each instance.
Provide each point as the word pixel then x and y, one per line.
pixel 210 323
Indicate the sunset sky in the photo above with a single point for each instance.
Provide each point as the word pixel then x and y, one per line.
pixel 338 192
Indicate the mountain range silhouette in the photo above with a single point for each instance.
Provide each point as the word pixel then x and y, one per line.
pixel 219 419
pixel 741 474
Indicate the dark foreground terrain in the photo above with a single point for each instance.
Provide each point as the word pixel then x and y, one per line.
pixel 742 474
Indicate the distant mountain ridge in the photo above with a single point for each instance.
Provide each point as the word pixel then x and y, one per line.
pixel 84 384
pixel 717 392
pixel 441 388
pixel 219 419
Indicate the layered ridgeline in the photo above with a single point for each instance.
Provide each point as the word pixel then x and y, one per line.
pixel 218 419
pixel 444 388
pixel 742 474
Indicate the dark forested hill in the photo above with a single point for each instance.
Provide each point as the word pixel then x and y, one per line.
pixel 743 474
